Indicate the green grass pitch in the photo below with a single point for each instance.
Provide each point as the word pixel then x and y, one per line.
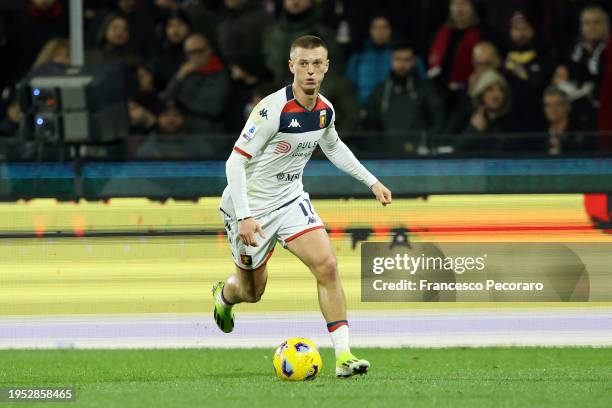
pixel 454 377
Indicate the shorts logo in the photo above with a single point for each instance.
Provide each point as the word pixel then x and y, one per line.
pixel 282 147
pixel 322 118
pixel 250 133
pixel 246 259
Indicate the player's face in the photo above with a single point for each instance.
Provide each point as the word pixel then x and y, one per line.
pixel 309 68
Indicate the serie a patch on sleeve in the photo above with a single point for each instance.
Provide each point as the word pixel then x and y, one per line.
pixel 249 134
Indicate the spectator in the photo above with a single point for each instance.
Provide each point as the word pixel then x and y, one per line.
pixel 3 67
pixel 200 87
pixel 450 56
pixel 299 18
pixel 491 115
pixel 9 125
pixel 584 74
pixel 244 80
pixel 526 70
pixel 142 120
pixel 143 103
pixel 404 102
pixel 171 56
pixel 171 121
pixel 370 66
pixel 596 53
pixel 114 44
pixel 3 53
pixel 38 22
pixel 586 62
pixel 143 88
pixel 257 95
pixel 142 27
pixel 340 89
pixel 561 136
pixel 56 50
pixel 485 56
pixel 240 33
pixel 167 135
pixel 171 140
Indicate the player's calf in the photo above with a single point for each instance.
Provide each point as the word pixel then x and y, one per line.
pixel 251 296
pixel 326 271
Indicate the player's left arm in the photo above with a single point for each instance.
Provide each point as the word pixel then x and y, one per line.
pixel 342 157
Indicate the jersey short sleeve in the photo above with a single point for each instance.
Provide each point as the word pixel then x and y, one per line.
pixel 260 127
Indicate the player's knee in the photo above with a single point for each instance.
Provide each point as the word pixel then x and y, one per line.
pixel 327 270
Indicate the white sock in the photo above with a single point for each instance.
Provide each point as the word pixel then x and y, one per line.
pixel 222 300
pixel 340 339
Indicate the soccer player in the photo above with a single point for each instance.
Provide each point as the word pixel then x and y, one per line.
pixel 264 200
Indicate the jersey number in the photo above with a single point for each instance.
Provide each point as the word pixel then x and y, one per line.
pixel 303 207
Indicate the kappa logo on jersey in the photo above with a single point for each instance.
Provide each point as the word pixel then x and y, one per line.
pixel 282 147
pixel 294 124
pixel 250 133
pixel 264 113
pixel 322 118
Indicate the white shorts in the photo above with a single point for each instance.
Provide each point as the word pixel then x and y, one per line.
pixel 283 225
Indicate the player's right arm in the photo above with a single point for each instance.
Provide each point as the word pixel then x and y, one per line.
pixel 261 126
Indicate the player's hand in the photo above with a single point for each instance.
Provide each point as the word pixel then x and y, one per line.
pixel 382 193
pixel 247 229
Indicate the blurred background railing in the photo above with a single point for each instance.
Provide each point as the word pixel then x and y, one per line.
pixel 365 144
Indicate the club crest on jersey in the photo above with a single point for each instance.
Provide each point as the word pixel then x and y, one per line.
pixel 250 133
pixel 246 259
pixel 322 118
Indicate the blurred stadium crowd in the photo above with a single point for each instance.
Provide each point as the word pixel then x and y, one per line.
pixel 458 67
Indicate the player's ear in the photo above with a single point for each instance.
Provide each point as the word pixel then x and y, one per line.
pixel 326 66
pixel 291 67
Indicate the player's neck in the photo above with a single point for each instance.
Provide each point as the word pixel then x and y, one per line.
pixel 306 100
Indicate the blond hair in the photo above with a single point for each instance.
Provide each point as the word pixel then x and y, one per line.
pixel 51 48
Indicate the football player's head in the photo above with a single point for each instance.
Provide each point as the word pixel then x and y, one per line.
pixel 308 62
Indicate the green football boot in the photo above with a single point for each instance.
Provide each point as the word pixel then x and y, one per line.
pixel 347 365
pixel 223 315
